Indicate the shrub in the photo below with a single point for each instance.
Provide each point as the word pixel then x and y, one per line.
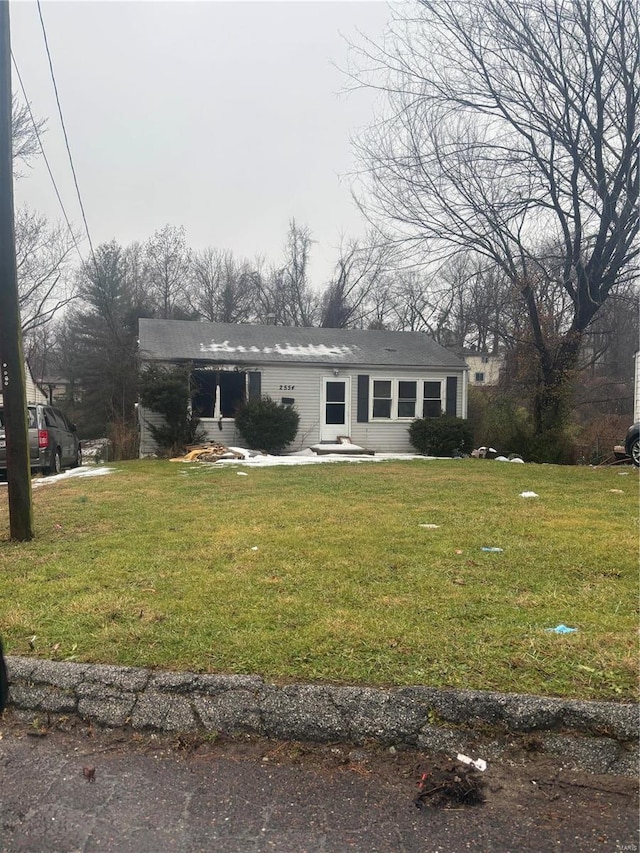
pixel 167 392
pixel 443 436
pixel 267 425
pixel 507 425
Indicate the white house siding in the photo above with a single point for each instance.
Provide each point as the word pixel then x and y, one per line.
pixel 303 384
pixel 33 392
pixel 277 382
pixel 392 436
pixel 486 365
pixel 636 388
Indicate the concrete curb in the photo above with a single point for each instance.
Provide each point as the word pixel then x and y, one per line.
pixel 599 737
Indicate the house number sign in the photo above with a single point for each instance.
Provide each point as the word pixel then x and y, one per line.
pixel 287 387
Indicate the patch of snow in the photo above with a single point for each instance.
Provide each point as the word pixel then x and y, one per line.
pixel 518 460
pixel 315 350
pixel 307 457
pixel 74 473
pixel 501 459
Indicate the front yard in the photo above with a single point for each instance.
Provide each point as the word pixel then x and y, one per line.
pixel 328 572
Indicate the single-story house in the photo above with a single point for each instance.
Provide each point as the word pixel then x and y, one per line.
pixel 365 384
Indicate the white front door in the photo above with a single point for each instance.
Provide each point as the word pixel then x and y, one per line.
pixel 335 418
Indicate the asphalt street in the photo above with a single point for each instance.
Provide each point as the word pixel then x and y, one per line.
pixel 72 787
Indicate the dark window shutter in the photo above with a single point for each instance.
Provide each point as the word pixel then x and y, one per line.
pixel 452 395
pixel 363 399
pixel 255 385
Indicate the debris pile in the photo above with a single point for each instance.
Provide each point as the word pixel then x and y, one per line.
pixel 209 452
pixel 450 786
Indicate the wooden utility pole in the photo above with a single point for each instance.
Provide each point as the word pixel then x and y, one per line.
pixel 12 378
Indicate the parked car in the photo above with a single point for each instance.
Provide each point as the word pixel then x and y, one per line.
pixel 632 443
pixel 53 441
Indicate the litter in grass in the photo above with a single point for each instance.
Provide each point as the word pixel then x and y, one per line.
pixel 242 474
pixel 479 763
pixel 616 491
pixel 562 629
pixel 429 526
pixel 255 548
pixel 485 453
pixel 529 495
pixel 493 550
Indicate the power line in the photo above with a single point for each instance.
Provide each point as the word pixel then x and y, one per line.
pixel 45 158
pixel 66 138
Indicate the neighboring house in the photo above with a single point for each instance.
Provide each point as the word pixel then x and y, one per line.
pixel 484 367
pixel 58 388
pixel 368 385
pixel 34 392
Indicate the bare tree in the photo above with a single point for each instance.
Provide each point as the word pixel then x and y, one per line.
pixel 287 296
pixel 43 260
pixel 223 290
pixel 512 127
pixel 168 267
pixel 24 132
pixel 360 266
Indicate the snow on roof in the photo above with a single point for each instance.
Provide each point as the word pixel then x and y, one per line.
pixel 303 351
pixel 242 343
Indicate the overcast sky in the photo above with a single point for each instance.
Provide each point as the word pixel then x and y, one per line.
pixel 229 118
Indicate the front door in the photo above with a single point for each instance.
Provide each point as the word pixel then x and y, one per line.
pixel 335 418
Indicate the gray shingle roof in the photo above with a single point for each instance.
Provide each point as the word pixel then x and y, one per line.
pixel 226 343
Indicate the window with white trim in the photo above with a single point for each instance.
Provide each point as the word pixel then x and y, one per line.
pixel 382 396
pixel 407 396
pixel 432 400
pixel 405 399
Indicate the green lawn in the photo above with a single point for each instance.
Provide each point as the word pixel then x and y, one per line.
pixel 324 573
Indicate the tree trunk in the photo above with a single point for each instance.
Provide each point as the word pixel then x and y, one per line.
pixel 552 398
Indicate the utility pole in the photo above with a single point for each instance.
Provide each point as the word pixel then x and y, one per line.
pixel 12 378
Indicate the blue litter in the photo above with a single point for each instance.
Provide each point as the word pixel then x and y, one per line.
pixel 562 629
pixel 493 550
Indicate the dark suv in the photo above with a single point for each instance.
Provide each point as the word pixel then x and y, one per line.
pixel 53 441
